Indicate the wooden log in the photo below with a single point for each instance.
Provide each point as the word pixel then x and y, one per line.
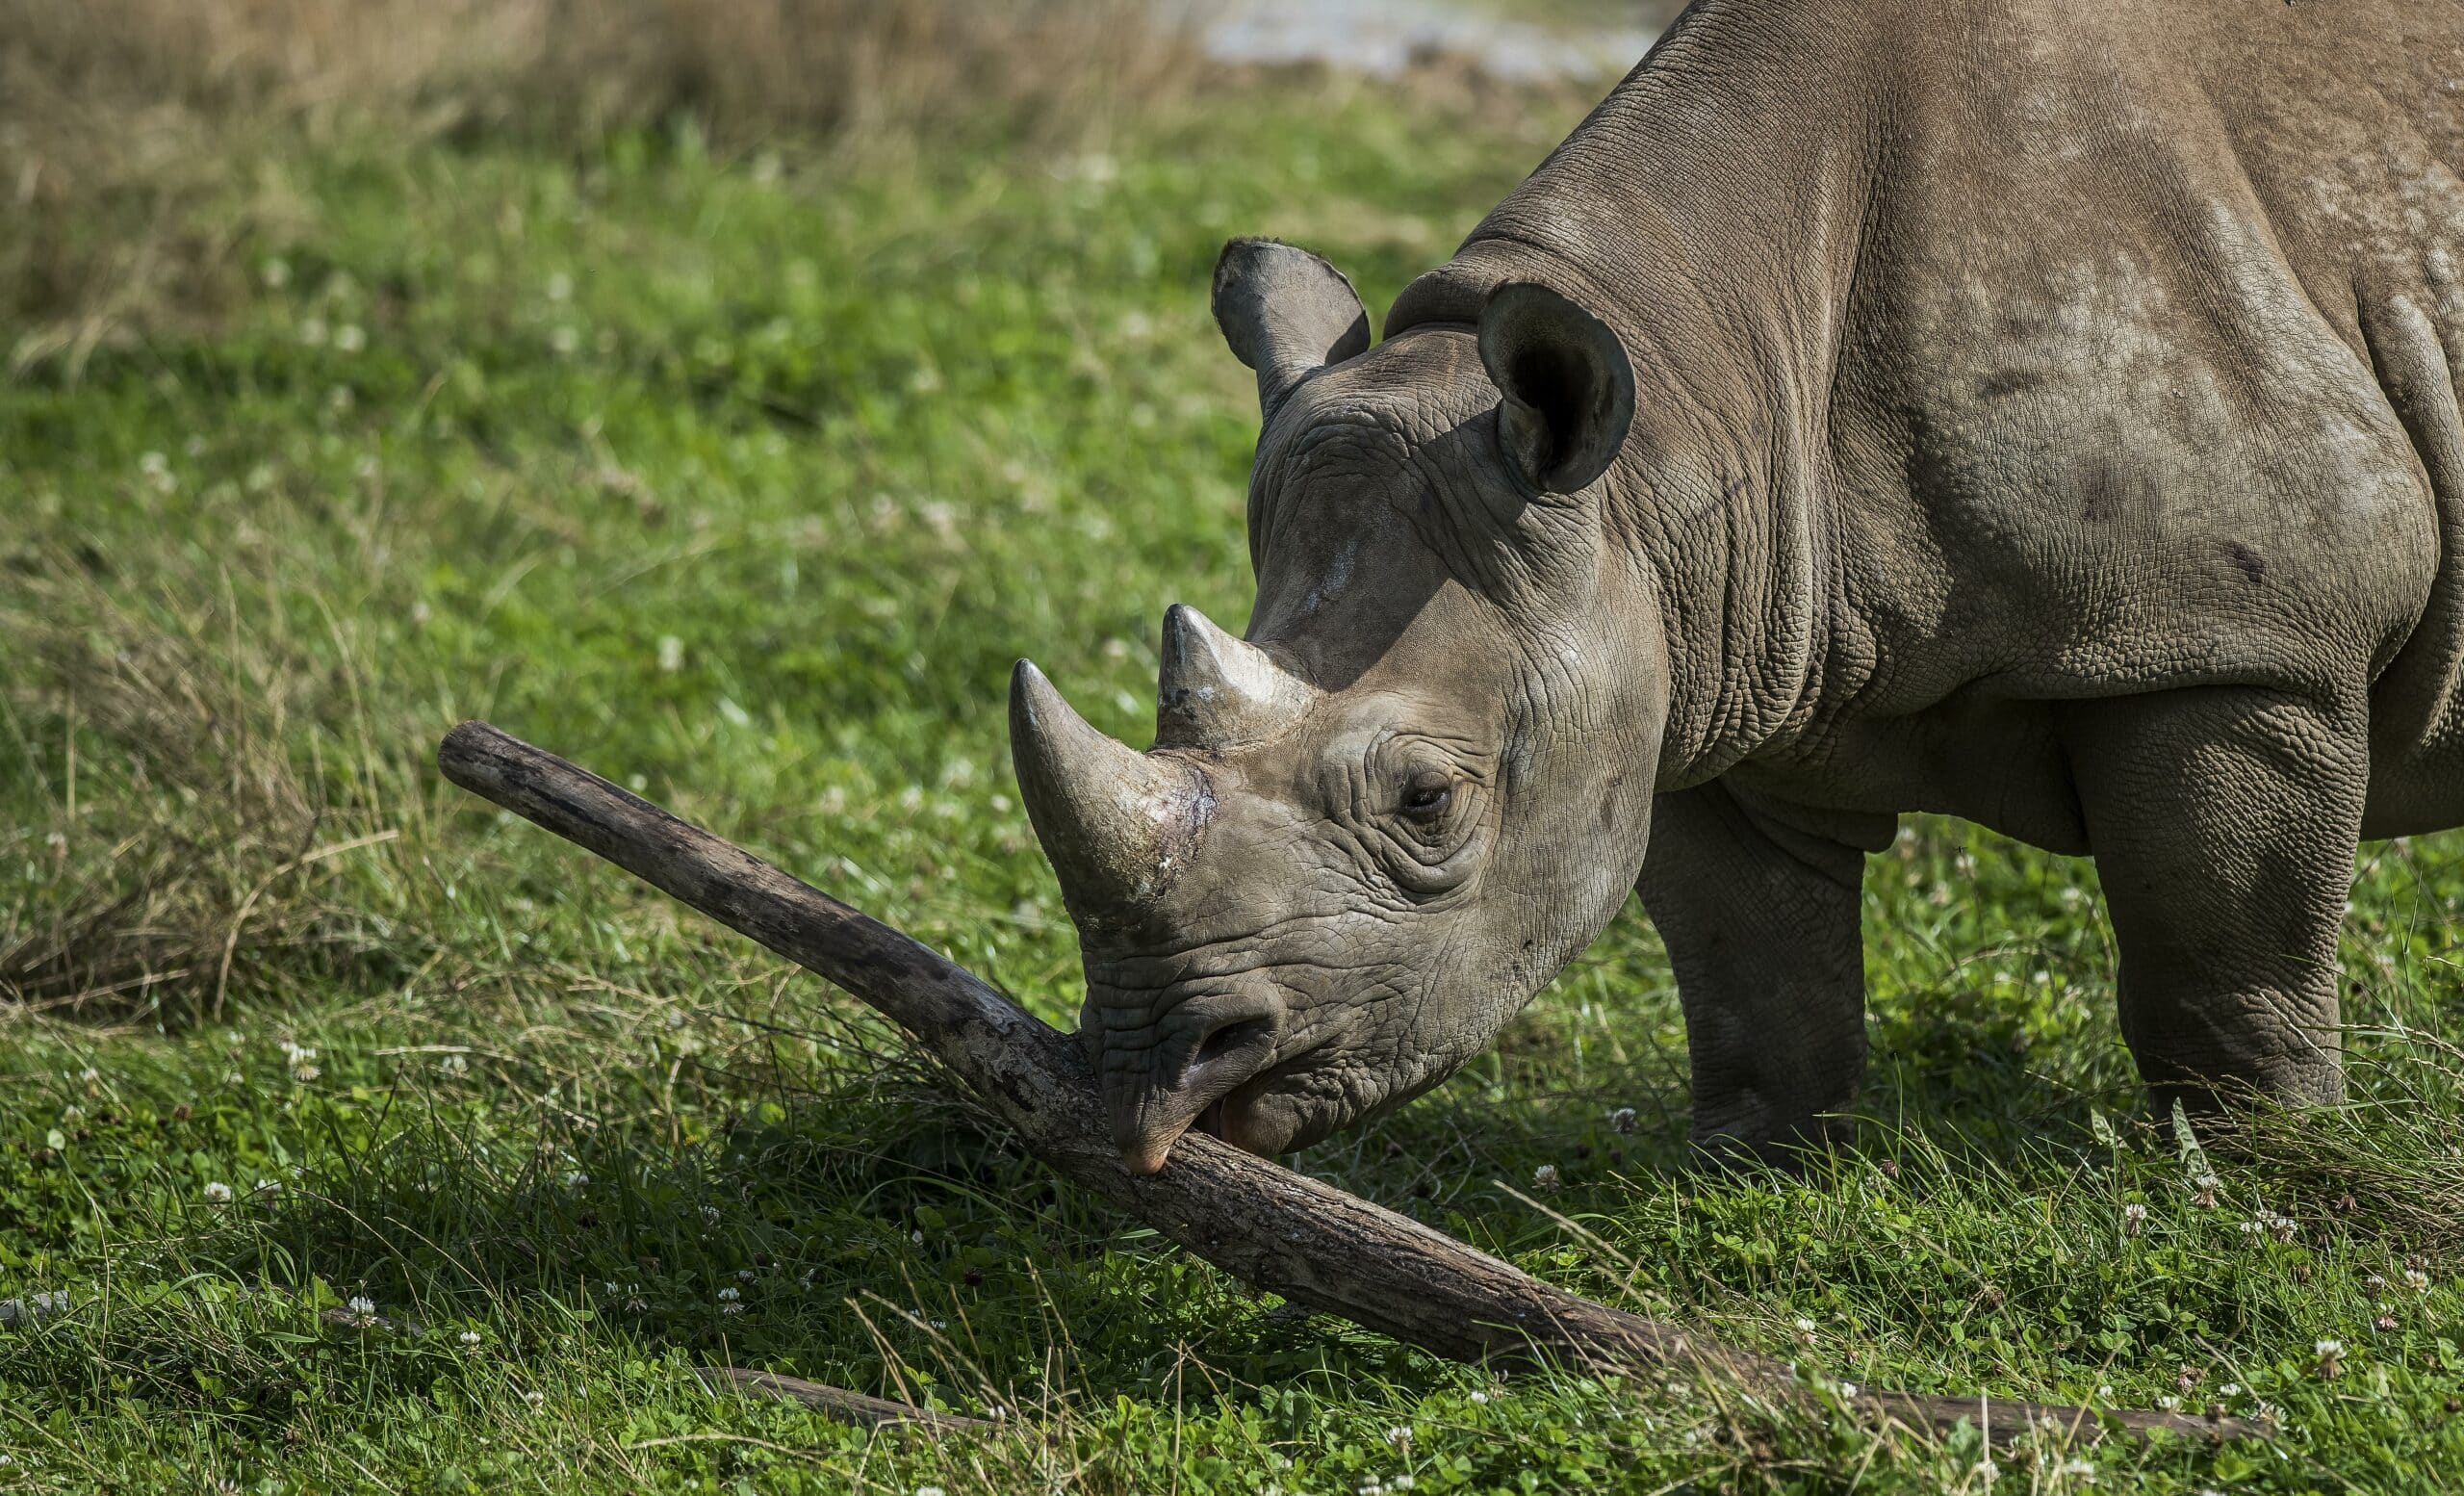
pixel 1314 1245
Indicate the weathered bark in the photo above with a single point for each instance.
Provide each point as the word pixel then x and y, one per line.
pixel 1310 1243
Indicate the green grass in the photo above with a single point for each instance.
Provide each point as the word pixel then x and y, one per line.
pixel 742 481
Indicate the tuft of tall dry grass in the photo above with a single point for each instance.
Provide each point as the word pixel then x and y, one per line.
pixel 119 118
pixel 177 848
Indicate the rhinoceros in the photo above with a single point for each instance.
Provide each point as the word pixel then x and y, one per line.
pixel 2036 412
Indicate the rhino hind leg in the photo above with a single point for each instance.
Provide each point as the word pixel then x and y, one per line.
pixel 1759 907
pixel 2223 822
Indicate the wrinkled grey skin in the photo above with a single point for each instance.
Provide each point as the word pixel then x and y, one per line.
pixel 2040 413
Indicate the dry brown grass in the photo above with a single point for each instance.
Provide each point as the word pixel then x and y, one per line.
pixel 120 118
pixel 195 791
pixel 746 68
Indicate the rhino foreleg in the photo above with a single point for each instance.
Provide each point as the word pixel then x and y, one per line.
pixel 2223 823
pixel 1757 905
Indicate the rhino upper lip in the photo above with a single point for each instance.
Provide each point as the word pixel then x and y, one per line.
pixel 1211 1120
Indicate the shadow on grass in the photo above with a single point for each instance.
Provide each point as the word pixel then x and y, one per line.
pixel 883 1242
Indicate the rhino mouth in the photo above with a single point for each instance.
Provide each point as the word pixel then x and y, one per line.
pixel 1245 1117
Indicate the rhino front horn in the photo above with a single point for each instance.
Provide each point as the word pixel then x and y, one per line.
pixel 1218 691
pixel 1116 823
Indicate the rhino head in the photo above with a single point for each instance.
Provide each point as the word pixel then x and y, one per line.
pixel 1369 832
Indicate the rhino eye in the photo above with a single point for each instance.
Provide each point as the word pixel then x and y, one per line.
pixel 1427 794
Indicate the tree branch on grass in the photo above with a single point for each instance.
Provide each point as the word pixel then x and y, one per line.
pixel 1313 1243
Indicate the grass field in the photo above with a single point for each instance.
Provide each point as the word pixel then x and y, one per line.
pixel 741 475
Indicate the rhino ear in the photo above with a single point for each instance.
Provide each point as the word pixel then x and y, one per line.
pixel 1286 312
pixel 1569 389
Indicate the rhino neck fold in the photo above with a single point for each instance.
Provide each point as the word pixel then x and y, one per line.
pixel 1711 209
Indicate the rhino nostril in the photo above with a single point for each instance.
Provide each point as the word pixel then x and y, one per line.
pixel 1231 1038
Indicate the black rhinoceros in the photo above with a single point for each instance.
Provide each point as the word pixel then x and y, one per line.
pixel 2040 412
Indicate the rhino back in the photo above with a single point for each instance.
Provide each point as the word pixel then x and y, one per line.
pixel 2097 350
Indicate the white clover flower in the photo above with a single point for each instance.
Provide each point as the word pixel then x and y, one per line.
pixel 2134 1216
pixel 2418 1279
pixel 1622 1120
pixel 90 1074
pixel 710 1214
pixel 1545 1177
pixel 2229 1389
pixel 1401 1482
pixel 304 1073
pixel 1480 1399
pixel 467 1338
pixel 1848 1390
pixel 267 1189
pixel 730 1308
pixel 575 1180
pixel 217 1193
pixel 928 1490
pixel 1805 1325
pixel 744 1274
pixel 728 1296
pixel 2206 1185
pixel 2105 1394
pixel 534 1396
pixel 1400 1436
pixel 2168 1402
pixel 671 659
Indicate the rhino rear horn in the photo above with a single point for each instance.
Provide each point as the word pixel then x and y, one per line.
pixel 1569 388
pixel 1216 691
pixel 1286 312
pixel 1116 824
